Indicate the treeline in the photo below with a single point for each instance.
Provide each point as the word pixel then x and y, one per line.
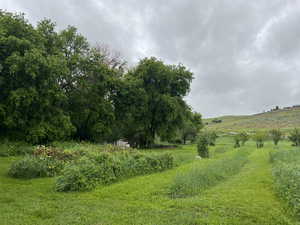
pixel 54 85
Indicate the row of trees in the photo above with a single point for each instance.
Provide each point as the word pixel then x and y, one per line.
pixel 55 85
pixel 208 138
pixel 275 135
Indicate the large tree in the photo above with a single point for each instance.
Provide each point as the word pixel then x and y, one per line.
pixel 31 100
pixel 151 102
pixel 191 127
pixel 54 84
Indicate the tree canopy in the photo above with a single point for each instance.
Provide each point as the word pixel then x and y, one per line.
pixel 54 85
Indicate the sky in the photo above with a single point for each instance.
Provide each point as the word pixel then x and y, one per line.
pixel 245 55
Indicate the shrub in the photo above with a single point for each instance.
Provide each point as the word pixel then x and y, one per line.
pixel 106 168
pixel 237 139
pixel 260 138
pixel 31 167
pixel 198 179
pixel 276 135
pixel 211 137
pixel 244 137
pixel 294 137
pixel 202 145
pixel 79 176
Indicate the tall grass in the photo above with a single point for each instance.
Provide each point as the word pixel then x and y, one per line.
pixel 286 172
pixel 198 179
pixel 8 148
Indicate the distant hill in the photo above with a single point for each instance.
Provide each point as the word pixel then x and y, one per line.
pixel 287 118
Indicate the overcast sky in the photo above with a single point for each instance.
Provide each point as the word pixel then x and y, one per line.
pixel 245 55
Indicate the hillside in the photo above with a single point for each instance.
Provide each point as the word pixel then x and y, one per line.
pixel 283 119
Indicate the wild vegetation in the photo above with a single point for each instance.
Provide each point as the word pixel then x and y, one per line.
pixel 286 171
pixel 64 104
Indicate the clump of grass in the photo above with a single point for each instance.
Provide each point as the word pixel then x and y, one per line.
pixel 198 179
pixel 32 167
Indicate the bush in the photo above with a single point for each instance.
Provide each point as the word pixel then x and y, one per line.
pixel 198 179
pixel 237 139
pixel 106 168
pixel 202 145
pixel 294 137
pixel 244 137
pixel 79 176
pixel 31 167
pixel 211 137
pixel 240 139
pixel 276 135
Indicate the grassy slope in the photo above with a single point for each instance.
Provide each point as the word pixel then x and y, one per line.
pixel 246 198
pixel 284 119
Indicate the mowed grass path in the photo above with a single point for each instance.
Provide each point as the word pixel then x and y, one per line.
pixel 245 198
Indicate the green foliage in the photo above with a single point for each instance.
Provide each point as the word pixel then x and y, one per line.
pixel 244 137
pixel 202 145
pixel 282 156
pixel 150 101
pixel 106 168
pixel 191 127
pixel 286 172
pixel 276 135
pixel 55 86
pixel 198 179
pixel 237 140
pixel 32 167
pixel 15 148
pixel 294 137
pixel 212 137
pixel 79 176
pixel 259 138
pixel 31 97
pixel 240 139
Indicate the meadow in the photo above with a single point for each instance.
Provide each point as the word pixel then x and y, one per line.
pixel 280 119
pixel 248 192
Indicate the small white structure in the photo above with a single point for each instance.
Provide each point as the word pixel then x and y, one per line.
pixel 122 143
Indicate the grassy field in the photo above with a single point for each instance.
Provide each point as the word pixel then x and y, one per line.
pixel 284 119
pixel 246 197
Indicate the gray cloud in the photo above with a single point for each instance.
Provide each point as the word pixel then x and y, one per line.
pixel 244 54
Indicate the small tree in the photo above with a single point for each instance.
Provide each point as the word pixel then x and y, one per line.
pixel 212 137
pixel 294 137
pixel 259 138
pixel 202 145
pixel 244 137
pixel 276 135
pixel 237 139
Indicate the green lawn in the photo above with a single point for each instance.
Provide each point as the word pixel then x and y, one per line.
pixel 245 198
